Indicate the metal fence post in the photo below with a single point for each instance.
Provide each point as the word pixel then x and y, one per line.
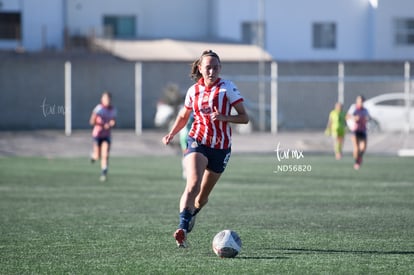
pixel 407 95
pixel 341 84
pixel 273 99
pixel 138 98
pixel 68 98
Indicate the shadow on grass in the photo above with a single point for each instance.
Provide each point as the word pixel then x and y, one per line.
pixel 305 250
pixel 262 258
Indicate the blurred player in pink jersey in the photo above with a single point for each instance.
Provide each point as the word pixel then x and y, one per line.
pixel 103 120
pixel 360 116
pixel 210 100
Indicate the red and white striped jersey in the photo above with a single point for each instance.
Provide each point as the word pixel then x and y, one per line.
pixel 202 100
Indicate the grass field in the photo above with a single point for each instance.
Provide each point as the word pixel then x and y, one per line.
pixel 57 218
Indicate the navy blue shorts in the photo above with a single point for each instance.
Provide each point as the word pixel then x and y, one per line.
pixel 360 135
pixel 100 140
pixel 217 158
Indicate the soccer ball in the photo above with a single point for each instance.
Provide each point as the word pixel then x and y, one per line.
pixel 227 244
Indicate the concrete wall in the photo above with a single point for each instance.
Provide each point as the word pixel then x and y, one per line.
pixel 32 88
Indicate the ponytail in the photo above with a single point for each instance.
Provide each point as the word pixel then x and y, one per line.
pixel 195 73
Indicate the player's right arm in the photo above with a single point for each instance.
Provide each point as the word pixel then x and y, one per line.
pixel 179 124
pixel 92 120
pixel 329 125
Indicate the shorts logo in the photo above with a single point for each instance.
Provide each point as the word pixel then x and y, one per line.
pixel 226 160
pixel 194 144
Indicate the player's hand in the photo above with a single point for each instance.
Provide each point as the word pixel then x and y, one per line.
pixel 216 115
pixel 99 121
pixel 167 139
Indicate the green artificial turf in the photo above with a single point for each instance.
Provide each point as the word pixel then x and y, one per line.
pixel 57 218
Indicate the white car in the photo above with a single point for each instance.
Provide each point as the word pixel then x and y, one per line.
pixel 388 112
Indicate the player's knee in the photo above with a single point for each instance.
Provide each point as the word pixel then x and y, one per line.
pixel 104 155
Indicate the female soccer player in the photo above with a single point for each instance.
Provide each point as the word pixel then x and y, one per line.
pixel 336 128
pixel 102 119
pixel 209 140
pixel 359 138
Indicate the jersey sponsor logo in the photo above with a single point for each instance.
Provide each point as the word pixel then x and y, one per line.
pixel 205 109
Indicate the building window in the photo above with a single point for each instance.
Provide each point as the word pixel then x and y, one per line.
pixel 251 33
pixel 324 35
pixel 119 26
pixel 10 25
pixel 404 31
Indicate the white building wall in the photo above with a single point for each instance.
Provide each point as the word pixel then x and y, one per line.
pixel 289 26
pixel 10 6
pixel 385 47
pixel 154 19
pixel 363 33
pixel 41 28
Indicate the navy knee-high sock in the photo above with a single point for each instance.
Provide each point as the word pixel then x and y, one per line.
pixel 185 217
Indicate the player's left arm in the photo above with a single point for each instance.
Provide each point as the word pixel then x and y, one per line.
pixel 112 121
pixel 236 100
pixel 241 117
pixel 110 124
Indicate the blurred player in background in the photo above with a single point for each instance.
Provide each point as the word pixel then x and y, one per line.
pixel 103 120
pixel 183 142
pixel 359 117
pixel 208 150
pixel 336 128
